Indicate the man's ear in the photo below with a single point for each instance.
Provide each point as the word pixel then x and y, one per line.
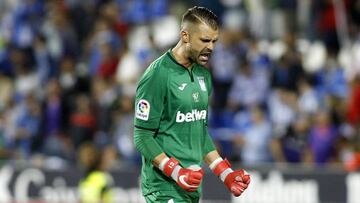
pixel 185 36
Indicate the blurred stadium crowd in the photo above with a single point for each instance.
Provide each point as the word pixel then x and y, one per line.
pixel 286 82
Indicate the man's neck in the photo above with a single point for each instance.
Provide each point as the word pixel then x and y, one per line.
pixel 180 55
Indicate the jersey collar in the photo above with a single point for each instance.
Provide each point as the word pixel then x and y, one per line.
pixel 171 56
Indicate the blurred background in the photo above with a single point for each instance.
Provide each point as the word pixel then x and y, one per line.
pixel 286 90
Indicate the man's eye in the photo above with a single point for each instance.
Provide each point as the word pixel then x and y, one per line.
pixel 205 40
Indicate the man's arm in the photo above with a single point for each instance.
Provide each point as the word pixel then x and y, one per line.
pixel 211 157
pixel 236 181
pixel 146 144
pixel 188 179
pixel 158 159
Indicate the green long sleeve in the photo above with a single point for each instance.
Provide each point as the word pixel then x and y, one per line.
pixel 146 144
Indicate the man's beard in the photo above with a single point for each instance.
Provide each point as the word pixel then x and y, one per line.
pixel 193 59
pixel 193 55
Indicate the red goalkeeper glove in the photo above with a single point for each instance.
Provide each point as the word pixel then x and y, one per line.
pixel 187 178
pixel 236 181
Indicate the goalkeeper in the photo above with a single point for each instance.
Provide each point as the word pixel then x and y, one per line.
pixel 171 118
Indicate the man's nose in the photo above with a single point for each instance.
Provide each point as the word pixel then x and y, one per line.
pixel 210 46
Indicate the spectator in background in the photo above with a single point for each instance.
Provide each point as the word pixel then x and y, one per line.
pixel 22 23
pixel 18 58
pixel 54 114
pixel 5 153
pixel 82 14
pixel 27 126
pixel 72 83
pixel 109 61
pixel 11 114
pixel 25 83
pixel 96 183
pixel 5 63
pixel 6 89
pixel 257 55
pixel 102 34
pixel 353 117
pixel 288 69
pixel 254 142
pixel 44 67
pixel 308 101
pixel 354 102
pixel 111 13
pixel 148 54
pixel 128 71
pixel 59 33
pixel 54 140
pixel 104 94
pixel 73 80
pixel 282 107
pixel 67 74
pixel 327 24
pixel 257 18
pixel 354 7
pixel 322 139
pixel 250 88
pixel 82 121
pixel 330 81
pixel 287 73
pixel 225 62
pixel 123 130
pixel 292 146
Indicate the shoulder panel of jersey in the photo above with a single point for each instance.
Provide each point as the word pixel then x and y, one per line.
pixel 151 93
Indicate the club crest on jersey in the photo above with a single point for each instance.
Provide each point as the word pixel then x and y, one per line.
pixel 195 96
pixel 202 83
pixel 142 110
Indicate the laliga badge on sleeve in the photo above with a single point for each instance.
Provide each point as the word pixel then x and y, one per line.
pixel 142 110
pixel 202 83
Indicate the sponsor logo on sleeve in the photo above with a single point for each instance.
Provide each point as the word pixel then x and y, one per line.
pixel 142 110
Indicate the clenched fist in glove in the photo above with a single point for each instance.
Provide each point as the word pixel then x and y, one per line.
pixel 187 178
pixel 236 181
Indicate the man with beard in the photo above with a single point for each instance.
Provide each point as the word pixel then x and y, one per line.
pixel 171 116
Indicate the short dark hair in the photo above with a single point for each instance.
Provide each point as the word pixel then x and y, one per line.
pixel 199 14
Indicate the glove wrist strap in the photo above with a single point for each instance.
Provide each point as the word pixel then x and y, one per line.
pixel 225 173
pixel 221 168
pixel 215 163
pixel 170 167
pixel 163 162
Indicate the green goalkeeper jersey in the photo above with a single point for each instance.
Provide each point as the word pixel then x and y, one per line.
pixel 172 101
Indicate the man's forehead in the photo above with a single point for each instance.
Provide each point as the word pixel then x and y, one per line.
pixel 206 30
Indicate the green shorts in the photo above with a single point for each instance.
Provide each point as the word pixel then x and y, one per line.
pixel 171 197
